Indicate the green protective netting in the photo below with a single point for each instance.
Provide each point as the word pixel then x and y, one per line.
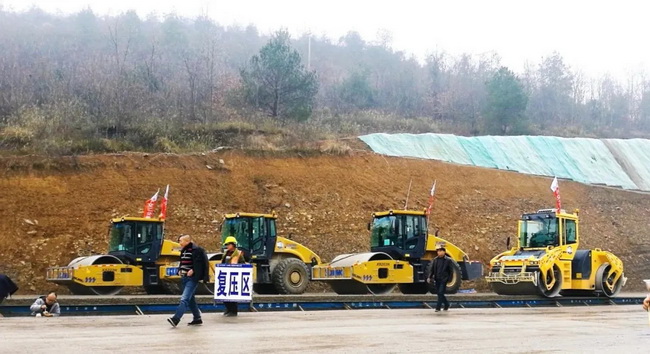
pixel 612 162
pixel 634 156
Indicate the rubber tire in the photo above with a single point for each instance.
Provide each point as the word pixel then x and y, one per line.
pixel 281 276
pixel 555 291
pixel 600 287
pixel 265 289
pixel 453 284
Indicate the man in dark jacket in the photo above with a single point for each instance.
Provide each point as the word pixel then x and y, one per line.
pixel 441 273
pixel 7 287
pixel 193 268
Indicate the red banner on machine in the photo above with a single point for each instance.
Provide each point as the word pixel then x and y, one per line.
pixel 150 206
pixel 163 205
pixel 555 187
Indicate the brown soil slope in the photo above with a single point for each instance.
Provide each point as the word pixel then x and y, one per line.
pixel 52 210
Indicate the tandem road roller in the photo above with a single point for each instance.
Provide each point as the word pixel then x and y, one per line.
pixel 281 266
pixel 137 256
pixel 401 251
pixel 547 261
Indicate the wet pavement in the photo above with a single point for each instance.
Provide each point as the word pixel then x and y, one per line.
pixel 606 329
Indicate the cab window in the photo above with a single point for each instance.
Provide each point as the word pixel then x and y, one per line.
pixel 570 231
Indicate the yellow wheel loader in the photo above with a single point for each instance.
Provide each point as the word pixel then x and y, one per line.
pixel 401 251
pixel 281 266
pixel 547 261
pixel 137 256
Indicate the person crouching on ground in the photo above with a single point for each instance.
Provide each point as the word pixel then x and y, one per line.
pixel 232 256
pixel 193 268
pixel 441 272
pixel 46 306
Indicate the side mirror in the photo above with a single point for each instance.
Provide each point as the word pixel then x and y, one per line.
pixel 290 236
pixel 508 243
pixel 369 226
pixel 436 232
pixel 220 226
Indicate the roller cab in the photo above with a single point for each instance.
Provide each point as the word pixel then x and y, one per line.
pixel 401 254
pixel 547 261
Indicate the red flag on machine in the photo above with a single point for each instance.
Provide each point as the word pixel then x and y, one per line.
pixel 150 206
pixel 163 205
pixel 555 187
pixel 432 197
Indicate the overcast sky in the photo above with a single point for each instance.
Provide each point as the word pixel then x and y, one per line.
pixel 595 36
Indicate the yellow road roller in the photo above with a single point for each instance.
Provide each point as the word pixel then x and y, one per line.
pixel 281 265
pixel 137 256
pixel 400 255
pixel 546 261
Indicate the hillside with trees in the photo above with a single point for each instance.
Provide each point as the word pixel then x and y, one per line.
pixel 80 83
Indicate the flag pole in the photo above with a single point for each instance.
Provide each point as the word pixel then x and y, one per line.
pixel 408 193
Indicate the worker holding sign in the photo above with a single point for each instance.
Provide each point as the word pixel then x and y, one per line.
pixel 233 279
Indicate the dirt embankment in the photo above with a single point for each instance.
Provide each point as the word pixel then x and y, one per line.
pixel 52 210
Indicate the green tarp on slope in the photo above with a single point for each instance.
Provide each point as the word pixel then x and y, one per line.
pixel 620 163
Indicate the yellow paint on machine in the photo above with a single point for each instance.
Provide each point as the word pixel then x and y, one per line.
pixel 108 275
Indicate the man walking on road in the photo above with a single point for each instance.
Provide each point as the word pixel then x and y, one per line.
pixel 441 272
pixel 194 267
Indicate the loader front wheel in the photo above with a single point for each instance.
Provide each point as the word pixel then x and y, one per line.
pixel 291 276
pixel 456 278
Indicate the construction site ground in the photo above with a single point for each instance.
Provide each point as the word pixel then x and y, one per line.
pixel 608 329
pixel 56 209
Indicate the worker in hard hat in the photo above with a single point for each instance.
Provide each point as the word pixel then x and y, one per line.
pixel 231 256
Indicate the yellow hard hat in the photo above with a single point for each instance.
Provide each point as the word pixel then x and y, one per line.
pixel 230 239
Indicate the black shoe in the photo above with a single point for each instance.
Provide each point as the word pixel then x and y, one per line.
pixel 230 314
pixel 172 321
pixel 195 322
pixel 437 310
pixel 225 313
pixel 446 308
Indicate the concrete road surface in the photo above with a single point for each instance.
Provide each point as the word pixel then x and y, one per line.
pixel 606 329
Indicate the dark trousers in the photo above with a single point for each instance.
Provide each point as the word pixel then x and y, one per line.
pixel 231 307
pixel 441 288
